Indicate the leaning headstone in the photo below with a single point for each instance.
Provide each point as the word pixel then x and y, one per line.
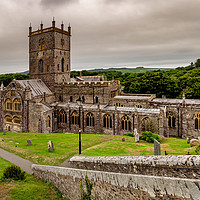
pixel 29 143
pixel 136 134
pixel 50 146
pixel 4 132
pixel 156 148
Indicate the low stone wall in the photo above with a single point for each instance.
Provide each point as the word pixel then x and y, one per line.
pixel 109 185
pixel 183 166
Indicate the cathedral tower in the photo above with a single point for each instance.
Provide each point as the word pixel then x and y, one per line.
pixel 49 54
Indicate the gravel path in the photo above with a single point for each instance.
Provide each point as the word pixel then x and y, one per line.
pixel 17 160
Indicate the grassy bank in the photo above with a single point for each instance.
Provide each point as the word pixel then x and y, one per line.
pixel 66 145
pixel 30 188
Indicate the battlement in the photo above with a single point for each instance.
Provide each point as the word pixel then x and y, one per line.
pixel 89 84
pixel 50 29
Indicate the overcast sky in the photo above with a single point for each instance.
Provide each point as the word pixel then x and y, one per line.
pixel 106 33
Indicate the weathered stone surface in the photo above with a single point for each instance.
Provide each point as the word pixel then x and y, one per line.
pixel 29 143
pixel 117 185
pixel 50 146
pixel 183 166
pixel 194 142
pixel 157 151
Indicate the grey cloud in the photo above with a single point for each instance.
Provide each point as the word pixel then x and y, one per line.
pixel 50 3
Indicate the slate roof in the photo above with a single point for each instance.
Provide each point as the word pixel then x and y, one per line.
pixel 110 108
pixel 37 86
pixel 134 97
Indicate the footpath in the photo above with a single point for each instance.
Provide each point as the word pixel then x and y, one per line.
pixel 17 160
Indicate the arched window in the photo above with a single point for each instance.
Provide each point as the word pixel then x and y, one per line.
pixel 58 67
pixel 48 122
pixel 107 121
pixel 62 117
pixel 8 104
pixel 126 123
pixel 75 118
pixel 146 126
pixel 97 99
pixel 83 99
pixel 90 119
pixel 8 119
pixel 71 98
pixel 197 120
pixel 138 106
pixel 41 66
pixel 171 120
pixel 16 120
pixel 62 64
pixel 17 105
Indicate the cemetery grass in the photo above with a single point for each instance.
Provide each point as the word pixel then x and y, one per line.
pixel 30 188
pixel 66 145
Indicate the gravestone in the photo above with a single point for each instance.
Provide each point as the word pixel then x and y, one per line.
pixel 29 143
pixel 136 134
pixel 156 148
pixel 4 132
pixel 50 146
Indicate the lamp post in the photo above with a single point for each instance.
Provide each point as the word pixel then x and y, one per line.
pixel 79 102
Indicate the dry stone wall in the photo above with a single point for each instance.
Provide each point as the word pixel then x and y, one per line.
pixel 110 185
pixel 182 166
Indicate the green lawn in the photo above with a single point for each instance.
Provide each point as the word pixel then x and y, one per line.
pixel 66 145
pixel 30 188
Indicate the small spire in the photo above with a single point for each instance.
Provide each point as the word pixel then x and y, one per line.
pixel 53 18
pixel 69 25
pixel 30 24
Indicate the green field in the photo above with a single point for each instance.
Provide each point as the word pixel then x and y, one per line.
pixel 66 145
pixel 30 188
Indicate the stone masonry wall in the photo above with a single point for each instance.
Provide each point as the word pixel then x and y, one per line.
pixel 183 166
pixel 117 186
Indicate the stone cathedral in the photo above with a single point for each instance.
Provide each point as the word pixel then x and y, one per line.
pixel 47 102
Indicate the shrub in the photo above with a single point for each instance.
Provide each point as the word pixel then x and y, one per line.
pixel 13 172
pixel 88 194
pixel 149 136
pixel 129 134
pixel 197 150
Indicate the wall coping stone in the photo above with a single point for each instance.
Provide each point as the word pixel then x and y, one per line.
pixel 169 160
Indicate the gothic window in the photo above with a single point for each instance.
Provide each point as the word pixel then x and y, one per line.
pixel 62 43
pixel 171 120
pixel 8 104
pixel 8 119
pixel 118 105
pixel 62 117
pixel 16 120
pixel 41 66
pixel 197 120
pixel 62 64
pixel 107 121
pixel 96 99
pixel 126 123
pixel 90 119
pixel 146 124
pixel 48 122
pixel 75 118
pixel 83 99
pixel 41 44
pixel 17 105
pixel 71 99
pixel 67 68
pixel 58 67
pixel 138 106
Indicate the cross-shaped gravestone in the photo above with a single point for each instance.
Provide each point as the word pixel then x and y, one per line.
pixel 156 148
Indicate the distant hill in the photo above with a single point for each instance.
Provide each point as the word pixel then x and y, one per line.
pixel 130 70
pixel 24 73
